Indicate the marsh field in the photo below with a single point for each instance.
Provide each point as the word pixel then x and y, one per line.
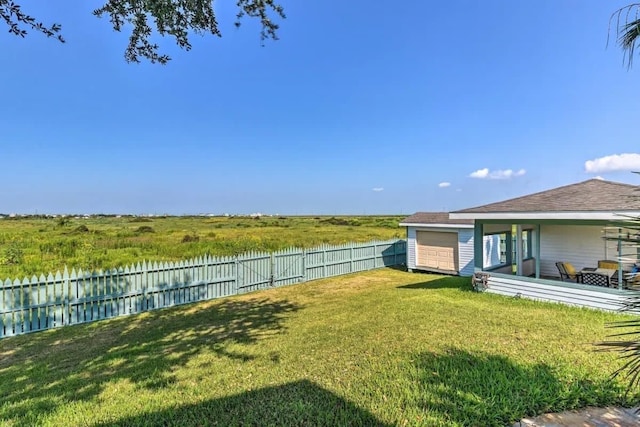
pixel 40 245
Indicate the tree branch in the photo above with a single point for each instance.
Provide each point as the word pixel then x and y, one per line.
pixel 174 18
pixel 17 20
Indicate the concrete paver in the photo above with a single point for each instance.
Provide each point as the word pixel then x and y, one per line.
pixel 588 417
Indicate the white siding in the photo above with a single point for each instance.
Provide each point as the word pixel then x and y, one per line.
pixel 465 251
pixel 581 245
pixel 465 248
pixel 529 267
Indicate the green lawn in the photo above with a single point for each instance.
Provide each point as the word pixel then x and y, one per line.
pixel 382 348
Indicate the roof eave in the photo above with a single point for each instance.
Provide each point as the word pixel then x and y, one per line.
pixel 434 225
pixel 566 215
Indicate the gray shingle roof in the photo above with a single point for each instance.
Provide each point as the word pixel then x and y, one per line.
pixel 587 196
pixel 433 218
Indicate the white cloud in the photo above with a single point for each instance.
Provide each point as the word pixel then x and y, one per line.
pixel 615 162
pixel 378 189
pixel 480 173
pixel 444 184
pixel 497 174
pixel 598 177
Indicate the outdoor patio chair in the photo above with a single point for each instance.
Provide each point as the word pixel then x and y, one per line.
pixel 625 278
pixel 605 263
pixel 632 279
pixel 562 271
pixel 595 279
pixel 567 272
pixel 633 282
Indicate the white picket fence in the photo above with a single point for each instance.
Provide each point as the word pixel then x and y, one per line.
pixel 69 298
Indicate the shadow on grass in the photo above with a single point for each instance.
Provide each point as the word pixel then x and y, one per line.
pixel 443 282
pixel 39 371
pixel 300 403
pixel 397 267
pixel 491 390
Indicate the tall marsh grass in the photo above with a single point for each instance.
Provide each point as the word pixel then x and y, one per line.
pixel 38 245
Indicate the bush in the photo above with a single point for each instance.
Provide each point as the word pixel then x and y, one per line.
pixel 145 229
pixel 81 229
pixel 188 238
pixel 62 221
pixel 340 221
pixel 63 248
pixel 13 254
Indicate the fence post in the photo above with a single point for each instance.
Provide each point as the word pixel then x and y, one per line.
pixel 272 268
pixel 205 276
pixel 324 261
pixel 237 278
pixel 351 258
pixel 66 292
pixel 395 253
pixel 304 265
pixel 144 282
pixel 375 255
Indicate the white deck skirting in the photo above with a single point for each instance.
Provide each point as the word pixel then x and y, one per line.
pixel 561 292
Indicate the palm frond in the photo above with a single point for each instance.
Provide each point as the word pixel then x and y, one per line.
pixel 627 24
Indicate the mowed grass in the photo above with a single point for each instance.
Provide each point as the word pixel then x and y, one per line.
pixel 382 348
pixel 40 245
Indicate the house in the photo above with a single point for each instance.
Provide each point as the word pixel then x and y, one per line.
pixel 439 244
pixel 565 224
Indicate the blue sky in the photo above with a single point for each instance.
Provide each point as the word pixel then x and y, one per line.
pixel 361 107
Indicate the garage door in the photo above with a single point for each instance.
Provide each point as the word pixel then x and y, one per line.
pixel 437 250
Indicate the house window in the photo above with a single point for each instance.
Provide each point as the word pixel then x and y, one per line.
pixel 495 250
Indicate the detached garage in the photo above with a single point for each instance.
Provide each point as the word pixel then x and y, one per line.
pixel 438 244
